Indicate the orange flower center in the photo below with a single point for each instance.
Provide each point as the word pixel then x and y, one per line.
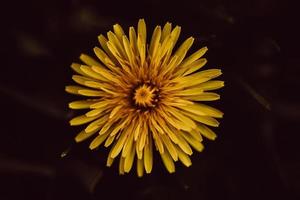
pixel 145 96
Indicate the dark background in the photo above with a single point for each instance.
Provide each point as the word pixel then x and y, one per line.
pixel 256 154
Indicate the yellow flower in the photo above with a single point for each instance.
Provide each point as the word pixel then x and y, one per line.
pixel 145 97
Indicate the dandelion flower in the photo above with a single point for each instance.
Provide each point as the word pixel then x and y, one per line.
pixel 145 97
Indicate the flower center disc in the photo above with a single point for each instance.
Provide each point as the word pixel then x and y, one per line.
pixel 145 96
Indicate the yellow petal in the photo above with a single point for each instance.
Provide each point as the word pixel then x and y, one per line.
pixel 207 132
pixel 115 111
pixel 189 92
pixel 103 57
pixel 119 145
pixel 105 73
pixel 211 85
pixel 116 43
pixel 84 135
pixel 195 66
pixel 121 141
pixel 166 31
pixel 119 126
pixel 100 104
pixel 109 140
pixel 203 119
pixel 118 31
pixel 195 109
pixel 139 153
pixel 121 165
pixel 212 73
pixel 110 160
pixel 110 91
pixel 143 136
pixel 132 39
pixel 184 158
pixel 102 40
pixel 198 146
pixel 199 77
pixel 156 126
pixel 88 70
pixel 166 49
pixel 148 155
pixel 83 104
pixel 141 49
pixel 76 68
pixel 171 66
pixel 129 51
pixel 157 141
pixel 81 79
pixel 91 93
pixel 168 44
pixel 107 126
pixel 191 68
pixel 116 52
pixel 96 125
pixel 88 60
pixel 140 167
pixel 169 145
pixel 205 96
pixel 98 141
pixel 192 58
pixel 94 112
pixel 137 130
pixel 168 162
pixel 182 118
pixel 195 133
pixel 175 34
pixel 182 50
pixel 142 30
pixel 208 110
pixel 72 89
pixel 169 132
pixel 183 144
pixel 155 41
pixel 129 159
pixel 141 40
pixel 128 146
pixel 82 119
pixel 94 84
pixel 170 120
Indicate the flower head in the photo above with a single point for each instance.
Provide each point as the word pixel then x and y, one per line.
pixel 145 97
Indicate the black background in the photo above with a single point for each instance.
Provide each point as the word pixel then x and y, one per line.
pixel 256 154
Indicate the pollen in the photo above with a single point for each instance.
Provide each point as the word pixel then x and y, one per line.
pixel 146 96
